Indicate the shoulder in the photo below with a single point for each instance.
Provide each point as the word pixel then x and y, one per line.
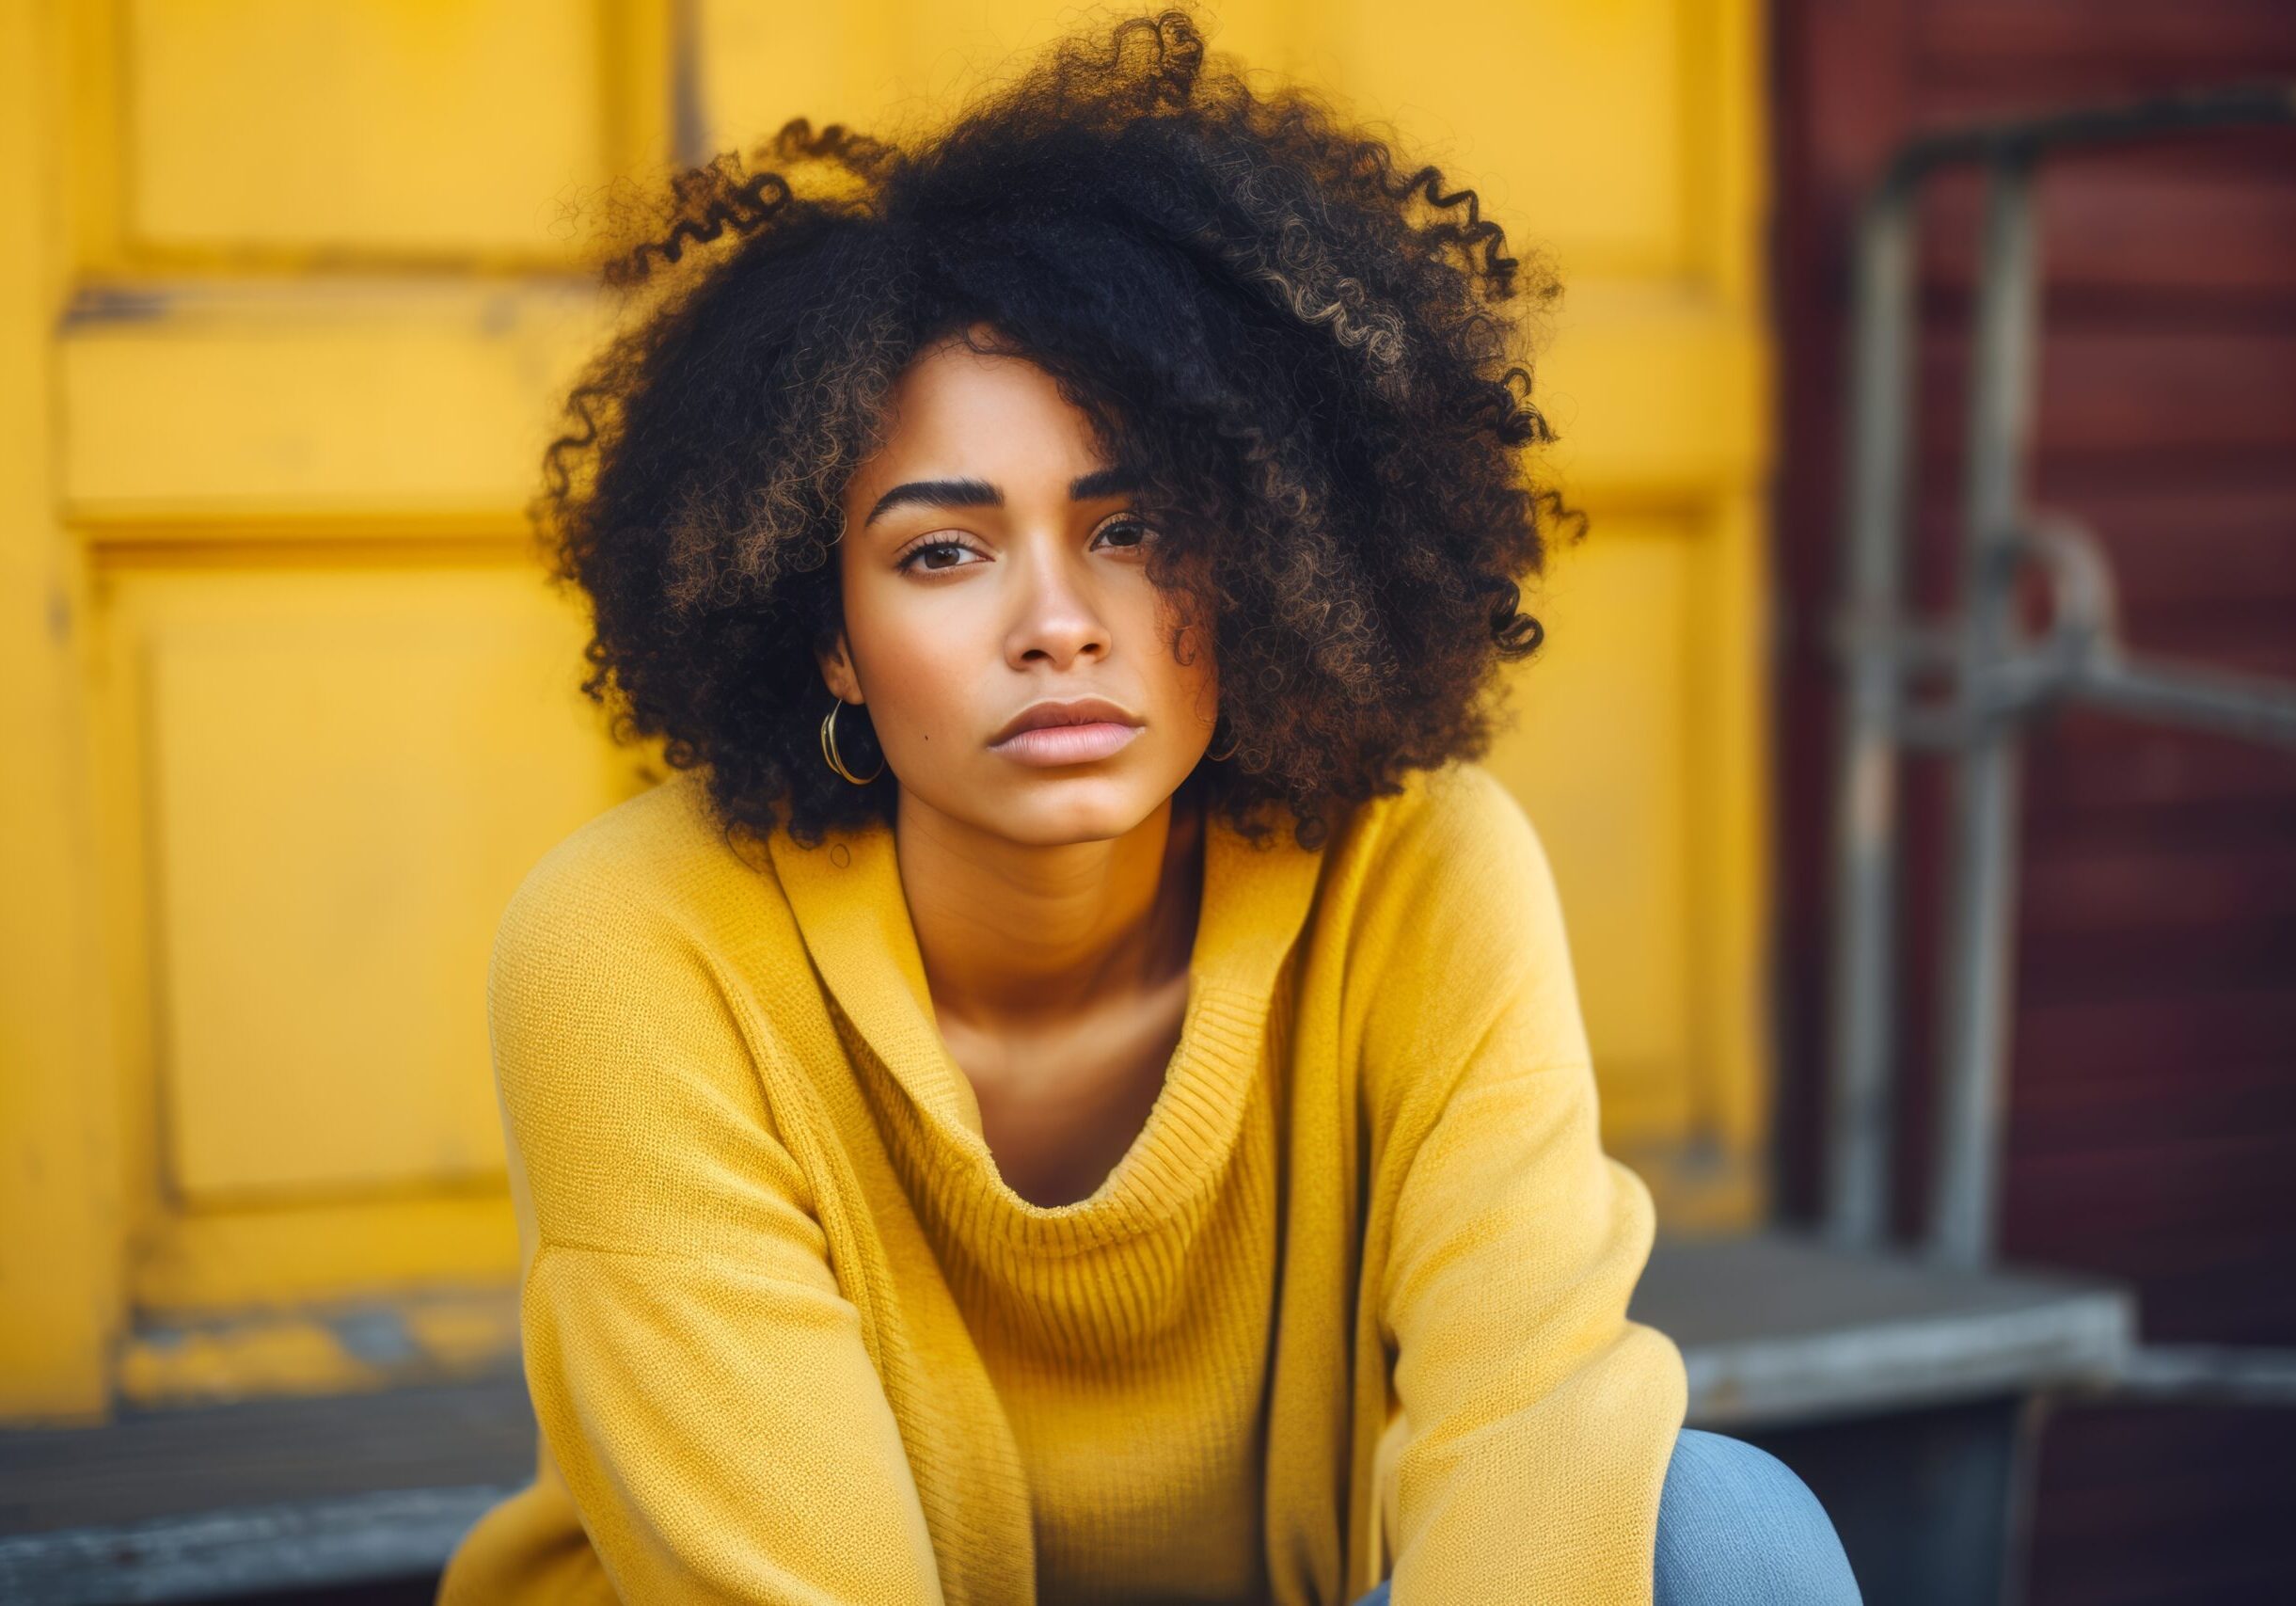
pixel 628 878
pixel 642 912
pixel 1453 839
pixel 645 844
pixel 628 1047
pixel 1457 805
pixel 1452 919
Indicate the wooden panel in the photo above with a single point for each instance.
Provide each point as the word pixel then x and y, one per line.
pixel 2100 41
pixel 354 1348
pixel 1640 742
pixel 325 1252
pixel 2183 549
pixel 1654 388
pixel 2207 214
pixel 2149 1130
pixel 359 399
pixel 1658 392
pixel 59 1215
pixel 359 126
pixel 1620 140
pixel 2221 398
pixel 1612 807
pixel 1646 834
pixel 894 67
pixel 299 700
pixel 2144 1506
pixel 316 325
pixel 347 774
pixel 1519 93
pixel 1513 112
pixel 266 1454
pixel 1780 1327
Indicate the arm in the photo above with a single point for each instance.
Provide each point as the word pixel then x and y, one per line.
pixel 701 1383
pixel 1539 1420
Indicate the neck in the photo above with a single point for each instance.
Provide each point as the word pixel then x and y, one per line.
pixel 1017 935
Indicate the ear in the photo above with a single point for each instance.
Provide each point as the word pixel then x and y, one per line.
pixel 838 672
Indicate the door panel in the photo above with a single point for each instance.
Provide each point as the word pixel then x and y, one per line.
pixel 314 283
pixel 402 407
pixel 349 770
pixel 1571 121
pixel 1621 140
pixel 323 778
pixel 371 127
pixel 1614 808
pixel 316 322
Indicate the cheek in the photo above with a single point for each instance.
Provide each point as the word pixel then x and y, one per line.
pixel 917 664
pixel 932 680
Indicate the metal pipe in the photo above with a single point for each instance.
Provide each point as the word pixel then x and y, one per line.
pixel 2000 682
pixel 1865 803
pixel 2250 707
pixel 2080 660
pixel 2026 138
pixel 1980 916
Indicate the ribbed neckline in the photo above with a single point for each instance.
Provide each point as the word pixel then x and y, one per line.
pixel 847 898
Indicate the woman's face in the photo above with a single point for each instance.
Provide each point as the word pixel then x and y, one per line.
pixel 991 563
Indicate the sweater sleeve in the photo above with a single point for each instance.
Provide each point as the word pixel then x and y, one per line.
pixel 1539 1420
pixel 700 1381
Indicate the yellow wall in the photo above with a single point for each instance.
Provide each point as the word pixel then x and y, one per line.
pixel 275 369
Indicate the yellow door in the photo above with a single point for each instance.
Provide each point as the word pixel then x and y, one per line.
pixel 1624 138
pixel 282 340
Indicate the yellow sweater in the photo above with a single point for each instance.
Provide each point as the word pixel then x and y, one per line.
pixel 1355 1298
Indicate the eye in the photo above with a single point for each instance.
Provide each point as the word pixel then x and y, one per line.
pixel 939 556
pixel 1141 531
pixel 909 560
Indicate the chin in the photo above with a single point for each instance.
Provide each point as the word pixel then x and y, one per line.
pixel 1076 822
pixel 1052 809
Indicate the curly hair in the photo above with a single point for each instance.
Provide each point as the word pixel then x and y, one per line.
pixel 1309 353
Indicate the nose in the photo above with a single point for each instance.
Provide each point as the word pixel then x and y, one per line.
pixel 1056 617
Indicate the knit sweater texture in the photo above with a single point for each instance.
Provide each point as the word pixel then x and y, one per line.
pixel 1352 1303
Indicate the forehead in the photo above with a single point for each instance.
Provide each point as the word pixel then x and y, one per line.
pixel 1001 419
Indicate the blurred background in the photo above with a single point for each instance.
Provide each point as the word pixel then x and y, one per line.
pixel 289 295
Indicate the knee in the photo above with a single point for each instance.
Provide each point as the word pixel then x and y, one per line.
pixel 1737 1528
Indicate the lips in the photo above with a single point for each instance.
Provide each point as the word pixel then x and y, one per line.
pixel 1073 712
pixel 1051 746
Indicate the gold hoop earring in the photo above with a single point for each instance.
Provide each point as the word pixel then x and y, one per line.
pixel 828 748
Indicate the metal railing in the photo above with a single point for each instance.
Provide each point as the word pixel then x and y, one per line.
pixel 2000 678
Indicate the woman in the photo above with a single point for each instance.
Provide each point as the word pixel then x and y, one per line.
pixel 1073 1091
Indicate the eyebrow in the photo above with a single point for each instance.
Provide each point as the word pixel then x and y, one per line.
pixel 980 493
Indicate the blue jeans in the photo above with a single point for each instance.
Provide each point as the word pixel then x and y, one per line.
pixel 1737 1528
